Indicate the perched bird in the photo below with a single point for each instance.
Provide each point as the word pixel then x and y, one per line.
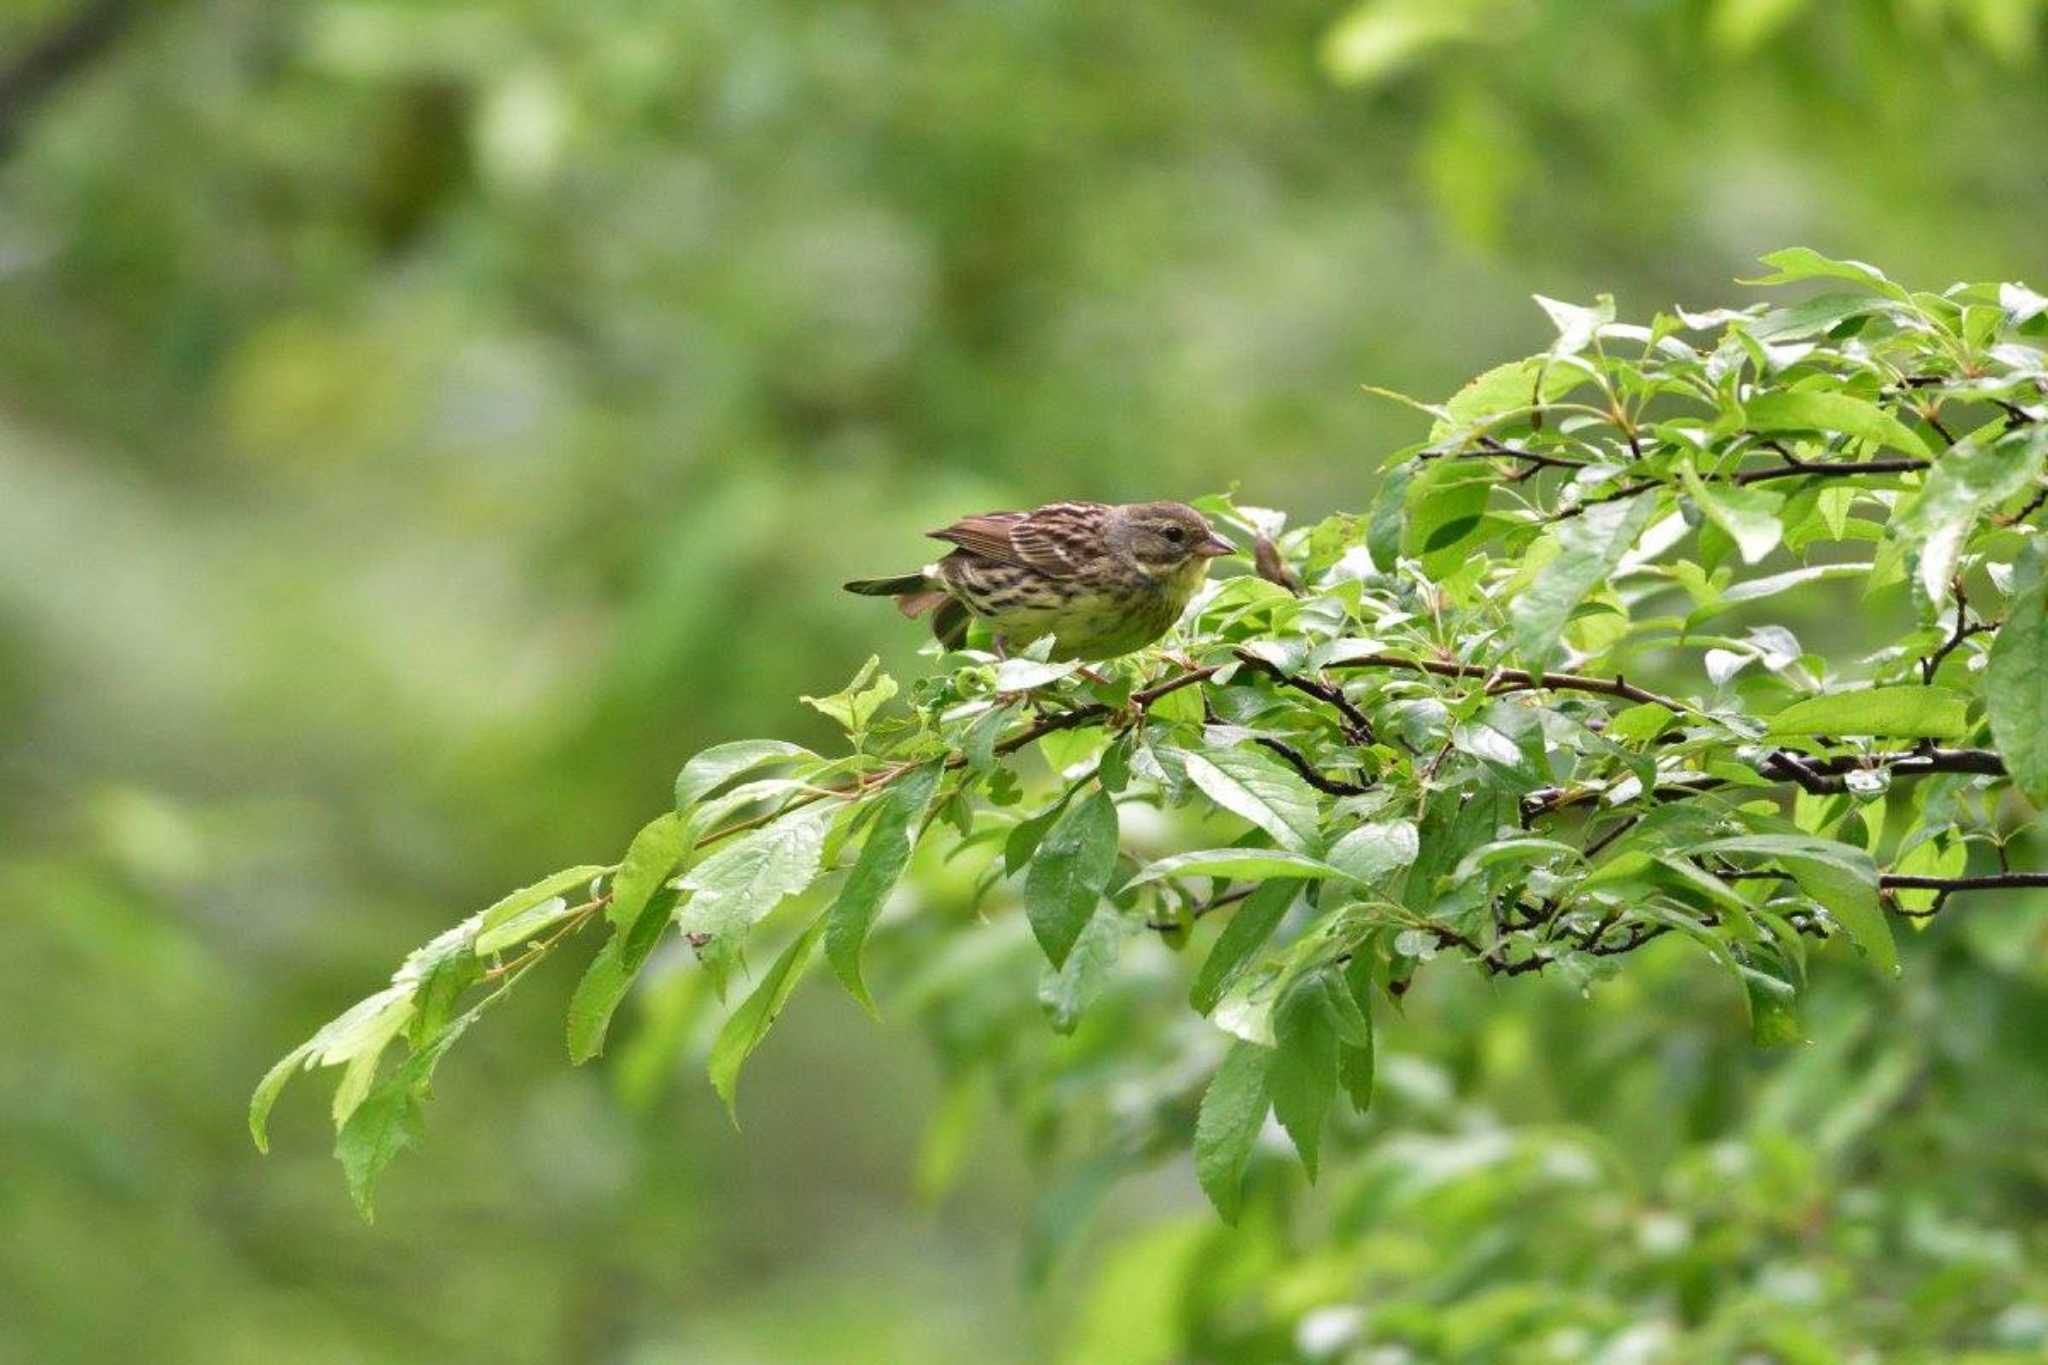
pixel 1101 580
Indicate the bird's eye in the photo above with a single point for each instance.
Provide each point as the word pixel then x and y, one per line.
pixel 1175 534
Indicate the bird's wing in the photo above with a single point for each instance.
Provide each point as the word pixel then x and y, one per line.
pixel 1055 540
pixel 987 535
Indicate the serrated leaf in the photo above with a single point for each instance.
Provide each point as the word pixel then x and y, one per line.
pixel 1821 411
pixel 650 859
pixel 1233 1110
pixel 1589 546
pixel 749 1024
pixel 390 1120
pixel 1804 263
pixel 734 887
pixel 526 897
pixel 1444 514
pixel 1841 878
pixel 269 1088
pixel 875 873
pixel 611 974
pixel 1504 388
pixel 529 923
pixel 1303 1072
pixel 1576 325
pixel 1375 849
pixel 1903 712
pixel 1250 925
pixel 855 705
pixel 1250 784
pixel 1068 873
pixel 1966 482
pixel 1750 516
pixel 1355 1059
pixel 1066 993
pixel 722 762
pixel 2016 686
pixel 1238 864
pixel 1021 675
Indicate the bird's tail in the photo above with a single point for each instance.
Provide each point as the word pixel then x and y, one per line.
pixel 889 587
pixel 915 595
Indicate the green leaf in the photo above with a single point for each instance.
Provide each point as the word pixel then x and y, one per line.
pixel 1588 548
pixel 1375 849
pixel 1021 675
pixel 649 860
pixel 390 1120
pixel 1355 1055
pixel 1816 410
pixel 1814 316
pixel 1903 712
pixel 1069 872
pixel 741 882
pixel 528 924
pixel 1238 864
pixel 749 1024
pixel 1303 1071
pixel 1966 482
pixel 1250 925
pixel 270 1087
pixel 1517 385
pixel 1774 1019
pixel 611 974
pixel 1233 1110
pixel 875 873
pixel 1748 515
pixel 527 897
pixel 723 762
pixel 1389 512
pixel 854 705
pixel 1066 993
pixel 1576 325
pixel 1804 263
pixel 1444 507
pixel 2016 686
pixel 1841 878
pixel 381 1127
pixel 1640 723
pixel 1249 783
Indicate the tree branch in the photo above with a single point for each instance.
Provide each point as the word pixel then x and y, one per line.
pixel 1309 772
pixel 1358 726
pixel 1517 679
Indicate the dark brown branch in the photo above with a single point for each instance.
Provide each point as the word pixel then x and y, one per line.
pixel 1902 465
pixel 1796 469
pixel 1358 726
pixel 1517 679
pixel 1821 776
pixel 1309 772
pixel 1990 881
pixel 1964 629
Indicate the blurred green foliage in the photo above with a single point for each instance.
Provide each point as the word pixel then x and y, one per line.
pixel 422 424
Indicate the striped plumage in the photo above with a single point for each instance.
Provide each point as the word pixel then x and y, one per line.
pixel 1102 580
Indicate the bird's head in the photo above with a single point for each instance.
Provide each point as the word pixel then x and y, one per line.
pixel 1163 537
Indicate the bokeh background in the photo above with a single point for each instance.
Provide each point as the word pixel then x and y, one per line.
pixel 423 424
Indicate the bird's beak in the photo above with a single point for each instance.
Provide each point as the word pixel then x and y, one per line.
pixel 1215 545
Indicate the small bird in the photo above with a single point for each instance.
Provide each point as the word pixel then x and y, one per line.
pixel 1101 580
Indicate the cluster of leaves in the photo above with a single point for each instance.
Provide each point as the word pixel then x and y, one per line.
pixel 1420 732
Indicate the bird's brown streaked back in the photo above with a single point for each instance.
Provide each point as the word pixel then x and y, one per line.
pixel 1103 579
